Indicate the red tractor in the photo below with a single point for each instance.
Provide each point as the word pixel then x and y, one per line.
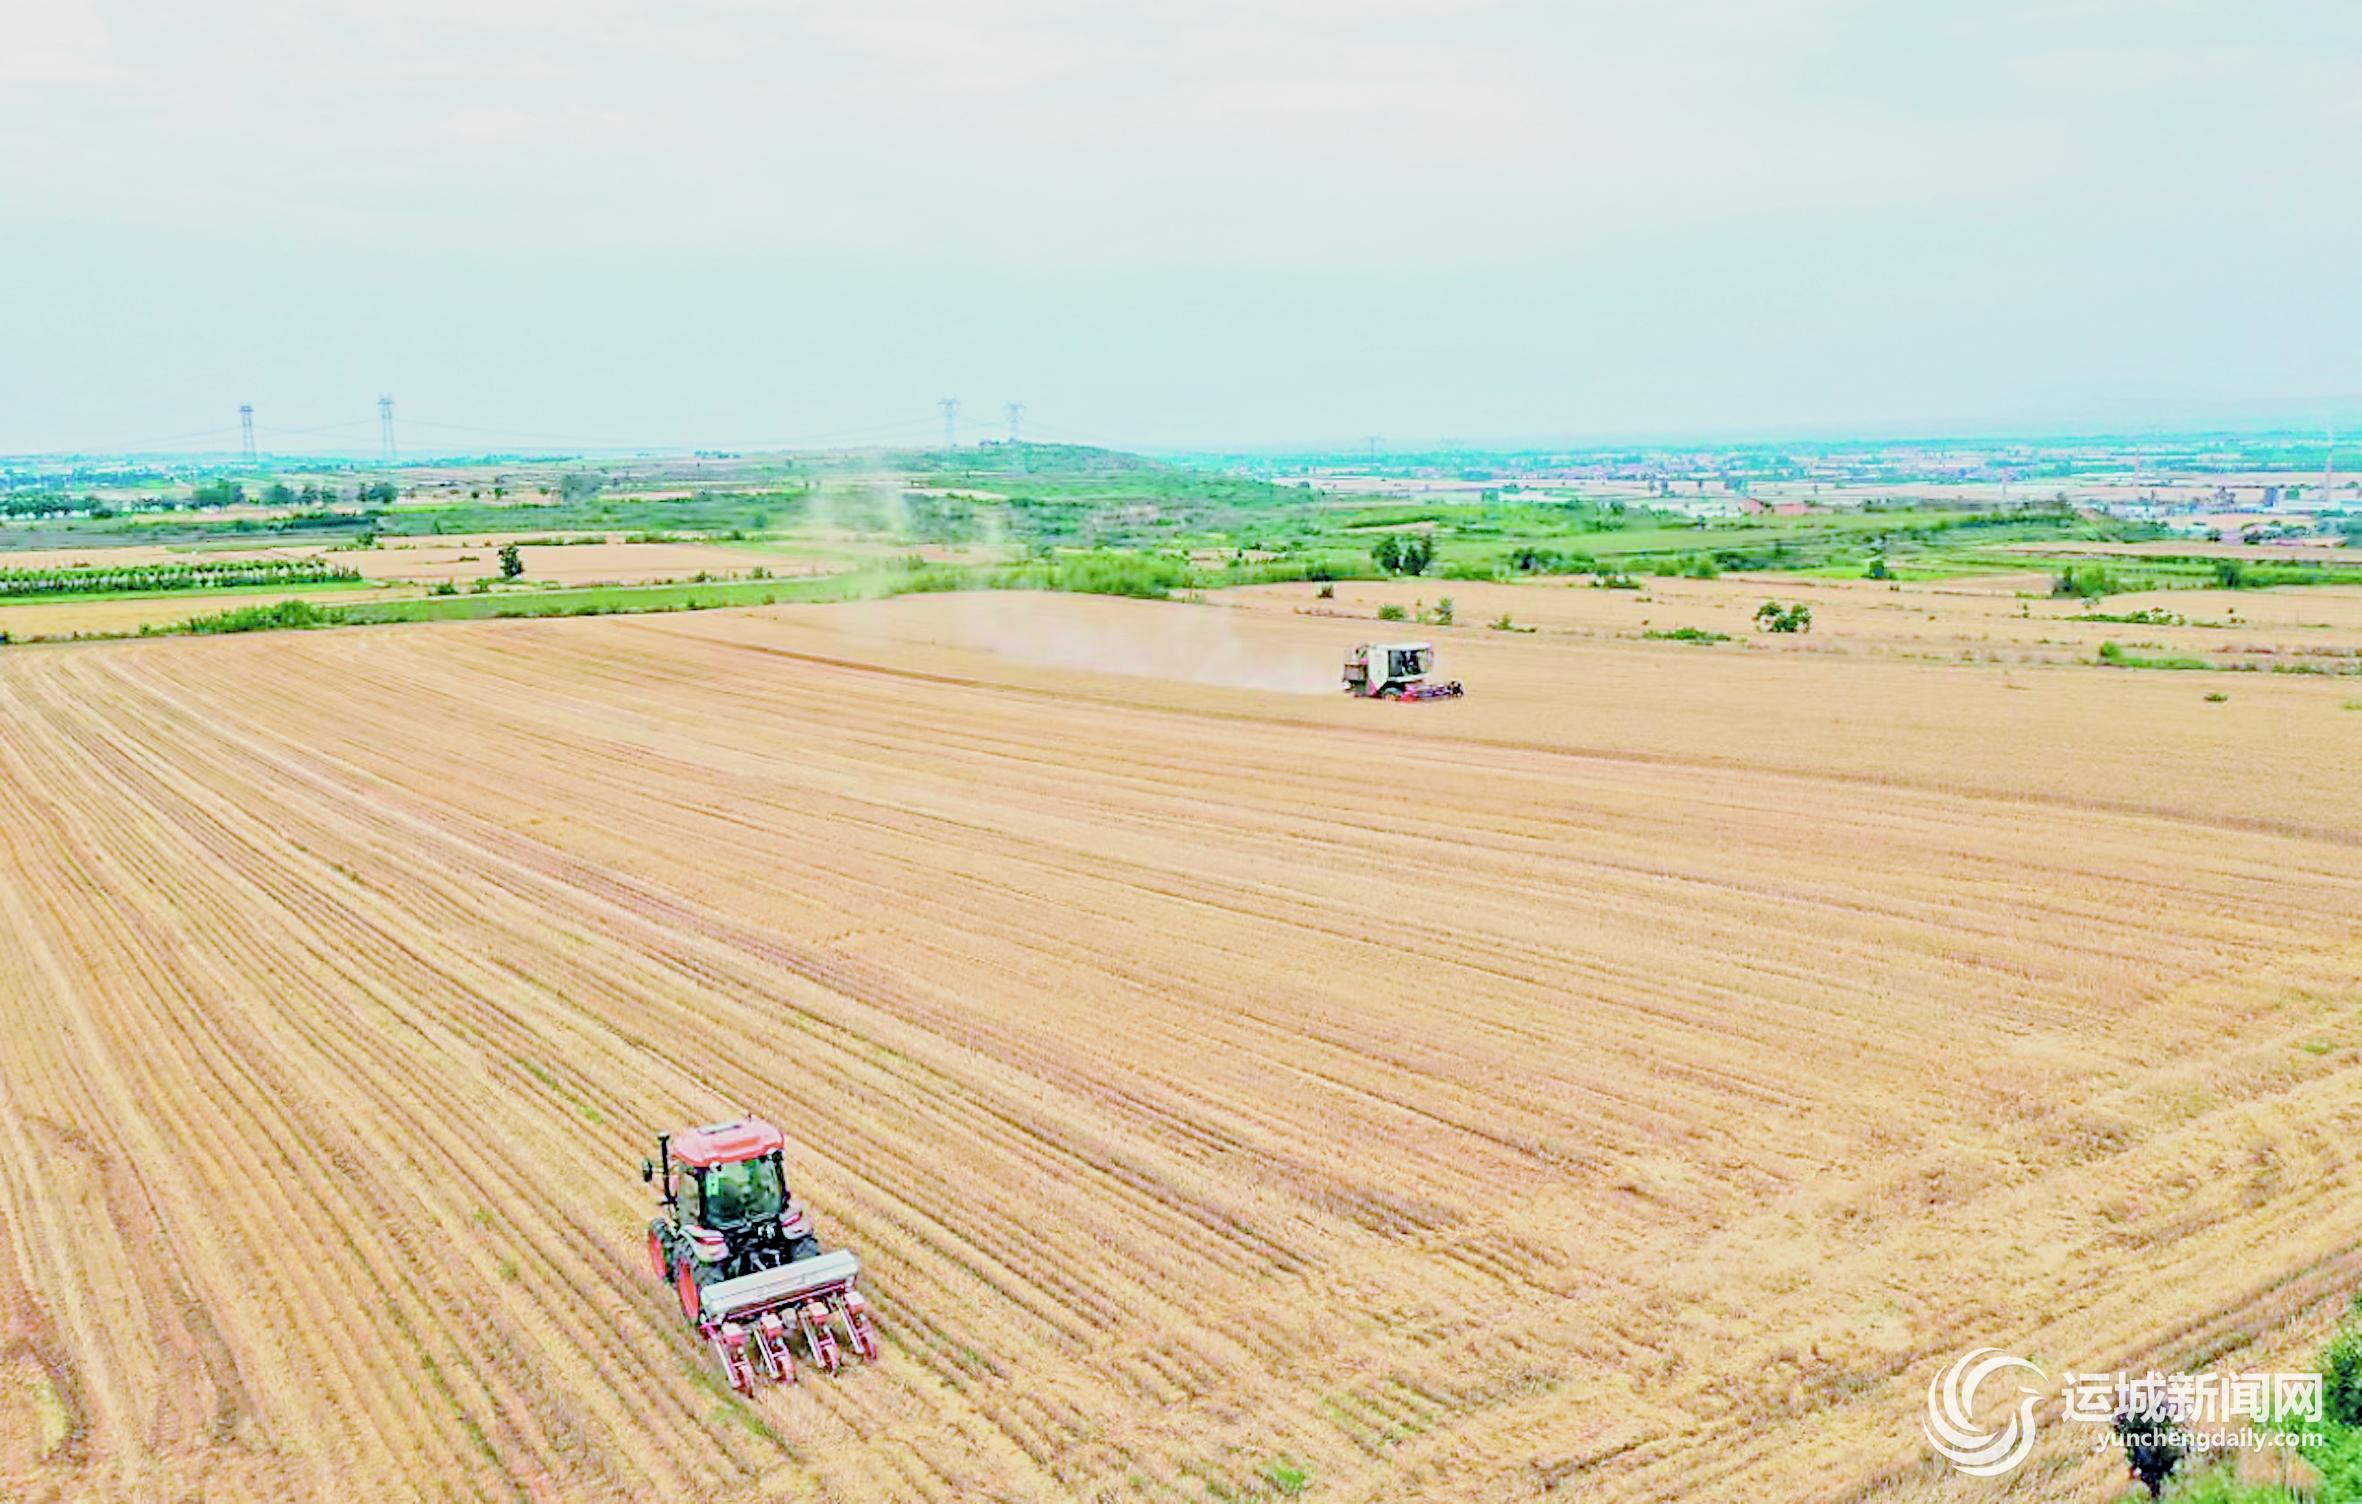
pixel 740 1254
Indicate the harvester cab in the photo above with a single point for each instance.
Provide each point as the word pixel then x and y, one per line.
pixel 1395 671
pixel 742 1258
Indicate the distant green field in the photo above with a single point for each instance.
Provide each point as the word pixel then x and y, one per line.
pixel 598 600
pixel 1069 518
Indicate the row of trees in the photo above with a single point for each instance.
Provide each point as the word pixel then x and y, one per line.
pixel 210 496
pixel 212 575
pixel 230 493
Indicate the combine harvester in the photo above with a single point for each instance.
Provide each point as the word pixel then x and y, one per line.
pixel 741 1255
pixel 1396 671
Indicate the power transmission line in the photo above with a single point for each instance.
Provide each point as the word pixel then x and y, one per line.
pixel 246 432
pixel 609 441
pixel 138 446
pixel 389 450
pixel 951 416
pixel 349 423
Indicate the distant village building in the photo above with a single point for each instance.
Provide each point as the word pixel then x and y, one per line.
pixel 1698 506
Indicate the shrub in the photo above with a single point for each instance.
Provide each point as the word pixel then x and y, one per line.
pixel 1531 560
pixel 1877 568
pixel 2339 1461
pixel 289 613
pixel 1390 613
pixel 1444 612
pixel 1502 623
pixel 1144 576
pixel 512 562
pixel 2113 654
pixel 1404 553
pixel 1326 593
pixel 1688 634
pixel 1771 616
pixel 2341 1370
pixel 2088 581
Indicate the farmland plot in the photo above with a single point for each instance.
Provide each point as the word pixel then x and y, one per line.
pixel 1625 1083
pixel 613 561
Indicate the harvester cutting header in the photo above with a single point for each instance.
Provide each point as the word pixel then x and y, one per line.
pixel 1396 671
pixel 742 1257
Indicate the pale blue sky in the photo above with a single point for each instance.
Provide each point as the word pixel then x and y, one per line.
pixel 1179 224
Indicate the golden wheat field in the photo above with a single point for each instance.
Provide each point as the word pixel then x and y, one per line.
pixel 1626 1083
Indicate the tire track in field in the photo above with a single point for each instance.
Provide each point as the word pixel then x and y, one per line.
pixel 1159 1163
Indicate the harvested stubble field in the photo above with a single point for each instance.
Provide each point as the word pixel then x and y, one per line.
pixel 2009 620
pixel 1628 1082
pixel 120 614
pixel 612 562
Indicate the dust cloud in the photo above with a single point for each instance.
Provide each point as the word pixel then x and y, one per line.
pixel 1190 644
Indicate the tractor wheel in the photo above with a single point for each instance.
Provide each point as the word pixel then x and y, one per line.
pixel 685 1284
pixel 805 1247
pixel 659 1259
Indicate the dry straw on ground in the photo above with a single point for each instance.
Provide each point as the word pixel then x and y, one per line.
pixel 1629 1081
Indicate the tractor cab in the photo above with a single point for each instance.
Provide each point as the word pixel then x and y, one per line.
pixel 1395 671
pixel 725 1185
pixel 726 1175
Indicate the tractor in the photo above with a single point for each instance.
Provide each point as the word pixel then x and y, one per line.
pixel 741 1256
pixel 1396 671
